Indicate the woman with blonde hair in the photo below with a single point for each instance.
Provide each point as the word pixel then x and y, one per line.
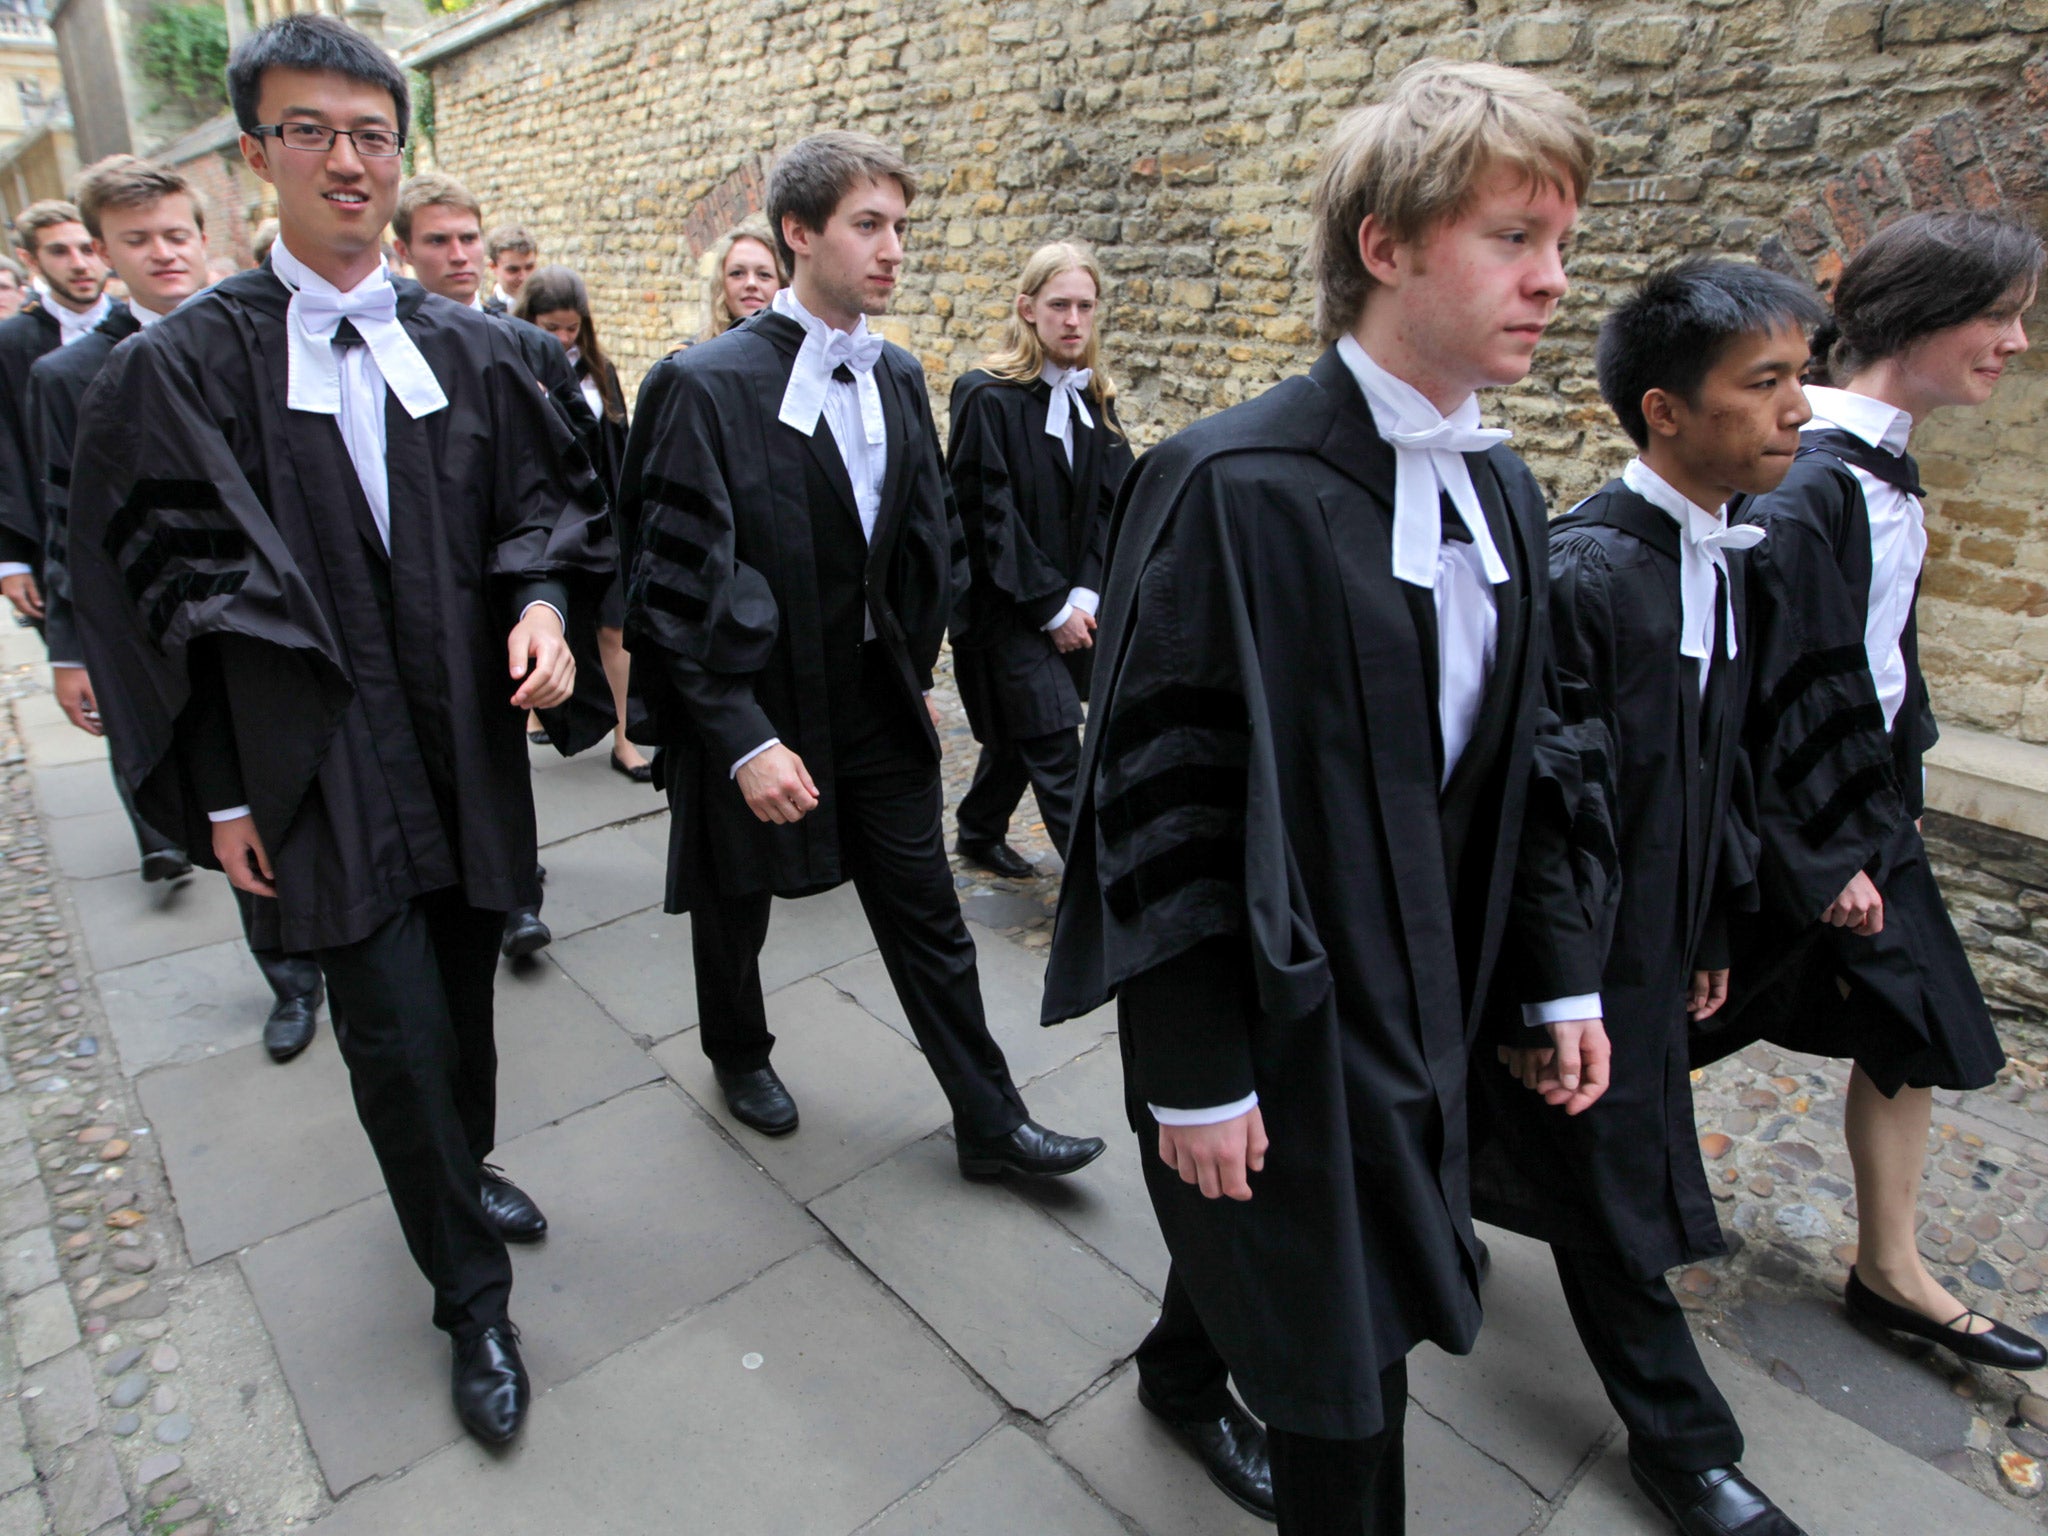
pixel 1036 458
pixel 745 275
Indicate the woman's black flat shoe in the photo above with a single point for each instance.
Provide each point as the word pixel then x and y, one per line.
pixel 1999 1345
pixel 642 774
pixel 538 738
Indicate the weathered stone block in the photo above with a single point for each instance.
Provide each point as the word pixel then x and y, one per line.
pixel 1538 40
pixel 1642 41
pixel 1785 130
pixel 1934 21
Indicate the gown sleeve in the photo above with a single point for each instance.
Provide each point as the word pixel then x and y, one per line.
pixel 1000 548
pixel 52 421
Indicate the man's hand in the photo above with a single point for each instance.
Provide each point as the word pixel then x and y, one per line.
pixel 239 847
pixel 1218 1156
pixel 1860 907
pixel 74 692
pixel 1077 634
pixel 1573 1073
pixel 1709 991
pixel 777 787
pixel 539 654
pixel 20 590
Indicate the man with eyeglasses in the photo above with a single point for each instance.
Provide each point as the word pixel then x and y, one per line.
pixel 327 539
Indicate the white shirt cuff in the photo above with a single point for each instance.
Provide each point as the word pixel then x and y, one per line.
pixel 1088 602
pixel 1058 619
pixel 1562 1010
pixel 70 665
pixel 1214 1115
pixel 15 568
pixel 234 815
pixel 560 617
pixel 739 763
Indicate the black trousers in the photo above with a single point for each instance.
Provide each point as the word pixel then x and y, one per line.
pixel 892 844
pixel 1635 1334
pixel 412 1015
pixel 1178 1365
pixel 1049 764
pixel 290 976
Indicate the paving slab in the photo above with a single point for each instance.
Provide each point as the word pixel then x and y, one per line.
pixel 1830 1474
pixel 1106 1207
pixel 185 1007
pixel 597 877
pixel 126 921
pixel 1005 1486
pixel 1012 984
pixel 1040 1317
pixel 50 738
pixel 254 1148
pixel 1526 1395
pixel 44 1324
pixel 1456 1490
pixel 75 789
pixel 21 1514
pixel 640 972
pixel 650 1214
pixel 581 794
pixel 863 1091
pixel 90 846
pixel 59 1401
pixel 848 1407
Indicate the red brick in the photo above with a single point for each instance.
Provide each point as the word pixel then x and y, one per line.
pixel 1877 184
pixel 1928 180
pixel 1956 133
pixel 1804 231
pixel 1852 220
pixel 1980 188
pixel 1827 271
pixel 1145 167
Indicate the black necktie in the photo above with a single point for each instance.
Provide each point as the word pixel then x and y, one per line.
pixel 1895 469
pixel 842 374
pixel 346 334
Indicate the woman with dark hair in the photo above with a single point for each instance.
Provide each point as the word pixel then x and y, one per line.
pixel 555 299
pixel 1853 953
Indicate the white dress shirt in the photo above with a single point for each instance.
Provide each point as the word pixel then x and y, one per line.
pixel 1703 539
pixel 502 296
pixel 1068 400
pixel 1898 534
pixel 72 324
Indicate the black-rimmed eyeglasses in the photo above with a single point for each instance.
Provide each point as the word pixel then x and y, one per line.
pixel 318 138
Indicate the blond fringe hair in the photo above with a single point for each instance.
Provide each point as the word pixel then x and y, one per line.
pixel 718 315
pixel 1019 356
pixel 1416 159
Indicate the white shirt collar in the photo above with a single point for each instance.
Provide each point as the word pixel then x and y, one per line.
pixel 1880 425
pixel 1704 539
pixel 1069 399
pixel 145 317
pixel 72 324
pixel 476 300
pixel 825 349
pixel 504 298
pixel 315 313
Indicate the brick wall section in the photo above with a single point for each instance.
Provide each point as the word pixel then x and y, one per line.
pixel 1179 136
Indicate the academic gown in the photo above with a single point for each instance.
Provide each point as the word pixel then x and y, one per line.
pixel 1036 528
pixel 251 641
pixel 25 336
pixel 721 518
pixel 1837 793
pixel 1263 768
pixel 1625 1177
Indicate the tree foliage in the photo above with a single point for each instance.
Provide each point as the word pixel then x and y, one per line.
pixel 183 49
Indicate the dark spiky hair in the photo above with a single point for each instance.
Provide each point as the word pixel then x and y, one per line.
pixel 322 44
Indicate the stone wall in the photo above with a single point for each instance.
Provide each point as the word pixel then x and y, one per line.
pixel 1179 136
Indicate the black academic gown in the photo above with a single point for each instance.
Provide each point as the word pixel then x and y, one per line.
pixel 1036 528
pixel 28 334
pixel 1837 793
pixel 1624 1178
pixel 1262 778
pixel 719 544
pixel 251 641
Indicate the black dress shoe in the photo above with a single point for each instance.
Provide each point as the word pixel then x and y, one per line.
pixel 491 1389
pixel 538 738
pixel 525 935
pixel 289 1029
pixel 1030 1149
pixel 165 864
pixel 1485 1262
pixel 2001 1346
pixel 1720 1502
pixel 511 1208
pixel 1232 1450
pixel 758 1100
pixel 997 857
pixel 639 773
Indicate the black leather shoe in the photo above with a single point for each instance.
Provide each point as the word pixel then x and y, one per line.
pixel 491 1389
pixel 1485 1262
pixel 1720 1502
pixel 525 935
pixel 2001 1346
pixel 998 858
pixel 639 773
pixel 289 1029
pixel 511 1208
pixel 165 864
pixel 758 1100
pixel 1232 1450
pixel 1030 1149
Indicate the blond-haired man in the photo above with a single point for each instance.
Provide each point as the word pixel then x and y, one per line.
pixel 1321 809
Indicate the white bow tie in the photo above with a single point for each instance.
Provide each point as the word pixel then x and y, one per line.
pixel 1702 560
pixel 1068 385
pixel 823 353
pixel 315 314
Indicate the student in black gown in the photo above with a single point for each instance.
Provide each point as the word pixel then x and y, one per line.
pixel 555 301
pixel 1701 366
pixel 791 565
pixel 326 534
pixel 14 288
pixel 147 227
pixel 1327 801
pixel 512 254
pixel 1853 953
pixel 1036 456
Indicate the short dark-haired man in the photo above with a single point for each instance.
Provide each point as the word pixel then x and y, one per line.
pixel 512 255
pixel 325 533
pixel 789 556
pixel 148 228
pixel 1701 367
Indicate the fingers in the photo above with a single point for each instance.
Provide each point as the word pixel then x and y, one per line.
pixel 519 650
pixel 1873 921
pixel 1568 1065
pixel 1255 1150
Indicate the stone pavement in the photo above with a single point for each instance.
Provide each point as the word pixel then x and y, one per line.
pixel 213 1325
